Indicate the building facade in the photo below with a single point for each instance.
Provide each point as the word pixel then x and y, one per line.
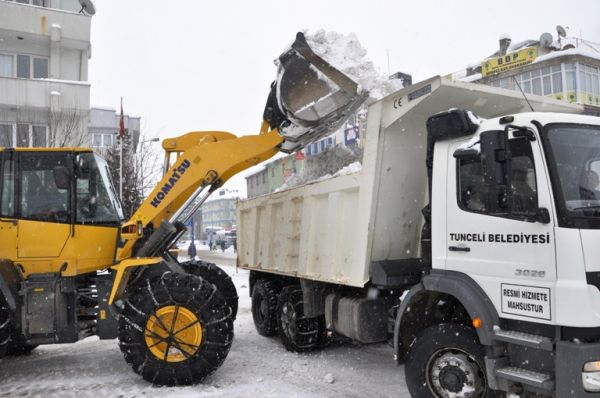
pixel 104 128
pixel 44 89
pixel 219 211
pixel 567 69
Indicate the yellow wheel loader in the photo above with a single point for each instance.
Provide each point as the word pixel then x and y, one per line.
pixel 71 267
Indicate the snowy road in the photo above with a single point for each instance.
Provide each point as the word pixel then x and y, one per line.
pixel 256 366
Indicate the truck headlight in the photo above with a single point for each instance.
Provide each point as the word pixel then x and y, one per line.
pixel 591 376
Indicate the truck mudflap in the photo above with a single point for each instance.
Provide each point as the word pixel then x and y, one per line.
pixel 571 360
pixel 464 289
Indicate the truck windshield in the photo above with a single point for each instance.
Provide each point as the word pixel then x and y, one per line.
pixel 574 163
pixel 97 202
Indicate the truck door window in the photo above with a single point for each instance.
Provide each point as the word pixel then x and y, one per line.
pixel 41 199
pixel 474 194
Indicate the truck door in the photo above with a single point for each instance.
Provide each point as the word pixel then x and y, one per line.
pixel 501 245
pixel 43 209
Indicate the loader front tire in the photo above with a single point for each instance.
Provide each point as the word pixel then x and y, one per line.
pixel 297 332
pixel 215 275
pixel 264 307
pixel 175 329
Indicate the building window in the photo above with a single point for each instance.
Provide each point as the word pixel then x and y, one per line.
pixel 264 177
pixel 272 171
pixel 40 68
pixel 6 65
pixel 39 136
pixel 6 135
pixel 39 3
pixel 107 140
pixel 23 66
pixel 545 81
pixel 26 66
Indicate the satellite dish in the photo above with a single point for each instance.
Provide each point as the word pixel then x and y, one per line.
pixel 87 7
pixel 546 40
pixel 561 31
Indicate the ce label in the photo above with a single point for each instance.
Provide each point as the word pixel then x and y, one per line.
pixel 398 103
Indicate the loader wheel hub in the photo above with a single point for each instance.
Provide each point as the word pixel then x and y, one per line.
pixel 173 333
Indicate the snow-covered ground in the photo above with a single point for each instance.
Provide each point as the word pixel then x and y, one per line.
pixel 256 366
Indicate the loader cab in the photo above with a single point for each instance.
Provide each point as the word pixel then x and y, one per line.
pixel 50 199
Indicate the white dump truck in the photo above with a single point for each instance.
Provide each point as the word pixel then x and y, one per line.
pixel 470 238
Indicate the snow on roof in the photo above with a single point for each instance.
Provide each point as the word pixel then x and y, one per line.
pixel 572 51
pixel 224 193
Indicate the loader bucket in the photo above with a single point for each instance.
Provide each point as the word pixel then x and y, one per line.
pixel 312 97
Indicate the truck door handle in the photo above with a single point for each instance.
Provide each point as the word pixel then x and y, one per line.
pixel 459 249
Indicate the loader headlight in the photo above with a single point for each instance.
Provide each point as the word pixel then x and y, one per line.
pixel 590 377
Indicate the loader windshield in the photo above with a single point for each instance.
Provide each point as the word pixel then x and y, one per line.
pixel 574 163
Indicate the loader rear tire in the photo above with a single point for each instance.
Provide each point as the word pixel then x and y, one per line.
pixel 217 277
pixel 264 307
pixel 175 329
pixel 6 326
pixel 298 333
pixel 18 345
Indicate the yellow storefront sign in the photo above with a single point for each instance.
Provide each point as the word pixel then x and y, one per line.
pixel 508 62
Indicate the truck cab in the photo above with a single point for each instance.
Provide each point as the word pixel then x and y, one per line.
pixel 515 211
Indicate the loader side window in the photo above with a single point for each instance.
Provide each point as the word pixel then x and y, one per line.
pixel 476 196
pixel 41 199
pixel 96 201
pixel 8 188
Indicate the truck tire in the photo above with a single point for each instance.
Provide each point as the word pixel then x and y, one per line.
pixel 446 360
pixel 298 333
pixel 6 326
pixel 217 277
pixel 264 307
pixel 175 329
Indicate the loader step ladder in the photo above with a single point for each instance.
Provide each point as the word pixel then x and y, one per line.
pixel 523 339
pixel 543 381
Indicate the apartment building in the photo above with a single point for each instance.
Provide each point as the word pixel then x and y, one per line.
pixel 44 90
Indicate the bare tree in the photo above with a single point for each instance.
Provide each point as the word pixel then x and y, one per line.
pixel 67 128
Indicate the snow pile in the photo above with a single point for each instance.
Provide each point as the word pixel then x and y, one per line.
pixel 339 160
pixel 347 54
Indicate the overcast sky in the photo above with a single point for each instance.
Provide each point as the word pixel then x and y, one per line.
pixel 185 65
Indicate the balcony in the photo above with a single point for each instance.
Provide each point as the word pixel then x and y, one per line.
pixel 44 93
pixel 31 23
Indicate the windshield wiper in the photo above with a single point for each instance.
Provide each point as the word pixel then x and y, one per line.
pixel 594 207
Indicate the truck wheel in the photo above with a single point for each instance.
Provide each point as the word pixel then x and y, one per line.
pixel 6 326
pixel 175 329
pixel 18 345
pixel 298 333
pixel 264 307
pixel 446 360
pixel 217 277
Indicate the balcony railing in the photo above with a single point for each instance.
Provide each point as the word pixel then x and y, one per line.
pixel 44 93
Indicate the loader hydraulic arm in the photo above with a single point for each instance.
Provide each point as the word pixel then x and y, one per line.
pixel 309 100
pixel 204 161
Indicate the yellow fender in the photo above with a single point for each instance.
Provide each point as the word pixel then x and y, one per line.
pixel 124 269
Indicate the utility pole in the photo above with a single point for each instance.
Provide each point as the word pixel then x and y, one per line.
pixel 121 137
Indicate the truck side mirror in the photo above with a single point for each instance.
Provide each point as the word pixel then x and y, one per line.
pixel 495 163
pixel 495 157
pixel 62 177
